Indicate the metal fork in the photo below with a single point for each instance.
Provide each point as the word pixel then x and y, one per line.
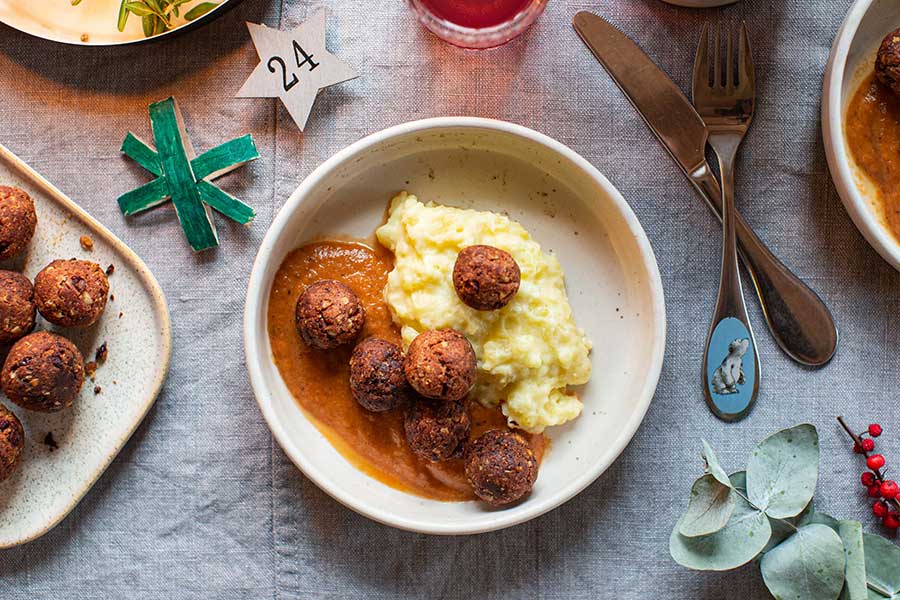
pixel 726 104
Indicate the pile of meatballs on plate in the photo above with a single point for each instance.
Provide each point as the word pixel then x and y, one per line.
pixel 431 380
pixel 43 371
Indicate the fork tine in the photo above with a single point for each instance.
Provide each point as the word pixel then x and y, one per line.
pixel 745 61
pixel 717 64
pixel 701 62
pixel 729 61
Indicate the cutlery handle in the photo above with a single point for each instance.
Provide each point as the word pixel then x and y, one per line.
pixel 730 362
pixel 798 319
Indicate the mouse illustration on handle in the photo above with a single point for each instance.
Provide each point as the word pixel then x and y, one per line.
pixel 731 370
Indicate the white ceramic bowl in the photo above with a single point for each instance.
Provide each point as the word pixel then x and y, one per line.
pixel 852 59
pixel 569 207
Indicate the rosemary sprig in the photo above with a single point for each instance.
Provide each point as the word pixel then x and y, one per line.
pixel 157 15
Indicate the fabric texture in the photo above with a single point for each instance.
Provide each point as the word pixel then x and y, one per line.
pixel 202 504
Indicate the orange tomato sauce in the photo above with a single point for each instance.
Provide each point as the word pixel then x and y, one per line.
pixel 872 130
pixel 319 380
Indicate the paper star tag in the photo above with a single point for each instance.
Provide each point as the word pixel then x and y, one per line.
pixel 294 66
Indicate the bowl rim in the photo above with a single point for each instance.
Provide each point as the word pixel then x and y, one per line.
pixel 836 151
pixel 256 303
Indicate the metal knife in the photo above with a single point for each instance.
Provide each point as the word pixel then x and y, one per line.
pixel 798 319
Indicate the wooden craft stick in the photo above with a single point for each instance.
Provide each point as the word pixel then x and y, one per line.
pixel 147 196
pixel 184 177
pixel 225 158
pixel 225 203
pixel 169 136
pixel 141 153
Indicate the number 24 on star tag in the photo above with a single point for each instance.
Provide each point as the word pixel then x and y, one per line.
pixel 277 65
pixel 294 66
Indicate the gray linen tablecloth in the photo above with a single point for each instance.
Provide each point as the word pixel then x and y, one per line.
pixel 202 504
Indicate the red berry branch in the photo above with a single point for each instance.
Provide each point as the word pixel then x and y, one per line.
pixel 887 505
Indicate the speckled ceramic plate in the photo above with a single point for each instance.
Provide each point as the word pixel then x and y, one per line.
pixel 136 329
pixel 91 23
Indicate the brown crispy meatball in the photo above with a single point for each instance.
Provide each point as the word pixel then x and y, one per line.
pixel 437 430
pixel 17 308
pixel 12 442
pixel 440 364
pixel 329 315
pixel 376 375
pixel 17 221
pixel 43 372
pixel 71 293
pixel 887 63
pixel 501 467
pixel 486 278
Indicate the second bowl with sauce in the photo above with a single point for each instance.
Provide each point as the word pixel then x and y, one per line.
pixel 860 125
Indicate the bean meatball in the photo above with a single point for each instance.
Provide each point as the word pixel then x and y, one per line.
pixel 376 375
pixel 440 364
pixel 329 315
pixel 486 278
pixel 437 430
pixel 43 372
pixel 501 467
pixel 71 293
pixel 17 221
pixel 17 310
pixel 12 442
pixel 887 64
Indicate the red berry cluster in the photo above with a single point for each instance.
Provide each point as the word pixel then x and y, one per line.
pixel 885 491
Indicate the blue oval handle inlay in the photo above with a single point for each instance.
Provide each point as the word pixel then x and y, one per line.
pixel 731 367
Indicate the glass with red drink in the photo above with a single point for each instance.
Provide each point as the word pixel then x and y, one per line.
pixel 477 23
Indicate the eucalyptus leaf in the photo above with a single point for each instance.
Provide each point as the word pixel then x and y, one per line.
pixel 809 518
pixel 739 481
pixel 712 465
pixel 745 535
pixel 804 517
pixel 855 561
pixel 783 470
pixel 882 566
pixel 709 509
pixel 808 565
pixel 782 529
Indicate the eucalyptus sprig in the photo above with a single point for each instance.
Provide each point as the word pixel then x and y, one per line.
pixel 766 514
pixel 157 16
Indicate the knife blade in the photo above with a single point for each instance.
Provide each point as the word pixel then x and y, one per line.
pixel 658 100
pixel 799 321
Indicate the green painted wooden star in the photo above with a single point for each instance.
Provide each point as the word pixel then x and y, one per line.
pixel 185 179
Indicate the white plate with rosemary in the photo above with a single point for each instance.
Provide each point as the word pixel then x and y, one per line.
pixel 108 22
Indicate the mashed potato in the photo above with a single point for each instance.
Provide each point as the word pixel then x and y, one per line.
pixel 530 350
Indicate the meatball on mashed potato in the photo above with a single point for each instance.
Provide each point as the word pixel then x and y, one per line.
pixel 530 350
